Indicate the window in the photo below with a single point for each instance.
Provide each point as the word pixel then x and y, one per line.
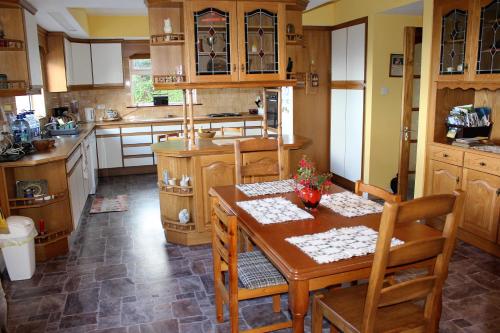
pixel 31 102
pixel 141 85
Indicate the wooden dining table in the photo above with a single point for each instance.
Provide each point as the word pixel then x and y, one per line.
pixel 301 271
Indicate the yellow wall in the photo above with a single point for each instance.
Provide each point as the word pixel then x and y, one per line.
pixel 118 26
pixel 380 112
pixel 386 110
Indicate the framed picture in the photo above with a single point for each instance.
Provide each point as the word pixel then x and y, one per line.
pixel 396 65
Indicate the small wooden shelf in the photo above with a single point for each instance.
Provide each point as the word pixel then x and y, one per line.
pixel 177 226
pixel 11 45
pixel 167 39
pixel 294 39
pixel 10 88
pixel 169 79
pixel 26 203
pixel 180 191
pixel 51 237
pixel 300 77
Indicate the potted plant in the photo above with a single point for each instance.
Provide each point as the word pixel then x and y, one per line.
pixel 309 184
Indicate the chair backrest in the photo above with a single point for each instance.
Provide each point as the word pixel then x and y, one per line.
pixel 225 242
pixel 436 250
pixel 166 137
pixel 258 159
pixel 231 131
pixel 378 192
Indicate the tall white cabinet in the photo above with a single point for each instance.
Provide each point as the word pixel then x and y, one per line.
pixel 347 105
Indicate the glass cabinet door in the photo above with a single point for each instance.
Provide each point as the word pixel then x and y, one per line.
pixel 488 56
pixel 453 42
pixel 260 35
pixel 213 36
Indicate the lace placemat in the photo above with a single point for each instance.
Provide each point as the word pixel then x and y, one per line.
pixel 338 244
pixel 267 188
pixel 349 204
pixel 274 210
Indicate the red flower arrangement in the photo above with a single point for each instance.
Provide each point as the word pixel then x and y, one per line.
pixel 309 184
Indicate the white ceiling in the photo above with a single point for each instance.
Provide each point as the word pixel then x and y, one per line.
pixel 413 9
pixel 53 15
pixel 316 3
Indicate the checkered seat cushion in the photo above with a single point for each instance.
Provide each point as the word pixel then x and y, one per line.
pixel 255 271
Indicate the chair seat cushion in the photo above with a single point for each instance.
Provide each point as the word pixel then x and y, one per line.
pixel 346 307
pixel 255 271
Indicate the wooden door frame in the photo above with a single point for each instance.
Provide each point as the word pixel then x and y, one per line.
pixel 349 85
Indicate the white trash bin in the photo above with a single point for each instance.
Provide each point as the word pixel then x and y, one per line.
pixel 18 247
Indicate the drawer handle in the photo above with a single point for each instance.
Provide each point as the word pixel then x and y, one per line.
pixel 446 155
pixel 458 180
pixel 482 164
pixel 498 192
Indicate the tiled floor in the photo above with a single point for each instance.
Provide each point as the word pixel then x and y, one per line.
pixel 121 277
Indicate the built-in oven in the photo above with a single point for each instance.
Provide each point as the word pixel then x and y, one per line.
pixel 272 109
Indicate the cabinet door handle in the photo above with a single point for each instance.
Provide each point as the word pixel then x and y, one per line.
pixel 242 68
pixel 498 192
pixel 458 180
pixel 482 164
pixel 234 67
pixel 445 155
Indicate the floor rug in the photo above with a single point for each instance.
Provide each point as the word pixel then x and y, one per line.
pixel 106 205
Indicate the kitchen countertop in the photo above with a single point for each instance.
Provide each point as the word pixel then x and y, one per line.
pixel 198 119
pixel 183 148
pixel 65 145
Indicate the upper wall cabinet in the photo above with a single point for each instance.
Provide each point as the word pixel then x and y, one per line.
pixel 212 40
pixel 19 51
pixel 261 41
pixel 81 64
pixel 348 53
pixel 107 63
pixel 468 40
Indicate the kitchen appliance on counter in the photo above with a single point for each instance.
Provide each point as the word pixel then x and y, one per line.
pixel 89 115
pixel 272 109
pixel 160 100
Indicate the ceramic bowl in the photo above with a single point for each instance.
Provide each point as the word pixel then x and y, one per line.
pixel 44 144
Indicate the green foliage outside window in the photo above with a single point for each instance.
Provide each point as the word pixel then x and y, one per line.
pixel 142 85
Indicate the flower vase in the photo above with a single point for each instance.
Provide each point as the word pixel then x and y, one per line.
pixel 310 197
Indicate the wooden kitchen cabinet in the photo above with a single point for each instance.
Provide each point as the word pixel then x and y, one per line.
pixel 76 192
pixel 442 178
pixel 211 171
pixel 261 40
pixel 212 39
pixel 482 202
pixel 19 54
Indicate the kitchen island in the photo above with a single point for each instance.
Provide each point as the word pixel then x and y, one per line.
pixel 208 163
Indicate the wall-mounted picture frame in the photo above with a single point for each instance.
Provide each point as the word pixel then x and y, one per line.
pixel 396 65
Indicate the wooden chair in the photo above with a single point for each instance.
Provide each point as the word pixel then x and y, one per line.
pixel 254 160
pixel 167 137
pixel 378 307
pixel 232 131
pixel 375 191
pixel 258 277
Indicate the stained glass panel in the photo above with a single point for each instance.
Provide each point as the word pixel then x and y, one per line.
pixel 453 41
pixel 212 42
pixel 488 58
pixel 261 42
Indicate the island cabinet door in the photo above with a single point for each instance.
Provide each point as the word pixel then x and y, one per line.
pixel 261 40
pixel 482 204
pixel 212 41
pixel 211 171
pixel 442 178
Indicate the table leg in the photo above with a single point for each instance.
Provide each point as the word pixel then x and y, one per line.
pixel 298 293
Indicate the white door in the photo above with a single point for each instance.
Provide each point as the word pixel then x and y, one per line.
pixel 355 53
pixel 33 48
pixel 353 134
pixel 93 163
pixel 339 55
pixel 109 152
pixel 76 192
pixel 107 63
pixel 337 131
pixel 68 59
pixel 82 69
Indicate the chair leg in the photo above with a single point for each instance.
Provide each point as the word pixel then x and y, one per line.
pixel 219 305
pixel 317 315
pixel 233 315
pixel 277 303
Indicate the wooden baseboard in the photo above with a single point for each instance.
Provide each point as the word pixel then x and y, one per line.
pixel 343 182
pixel 136 170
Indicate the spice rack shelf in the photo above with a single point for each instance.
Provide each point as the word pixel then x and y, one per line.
pixel 11 45
pixel 37 202
pixel 167 39
pixel 167 79
pixel 176 225
pixel 181 191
